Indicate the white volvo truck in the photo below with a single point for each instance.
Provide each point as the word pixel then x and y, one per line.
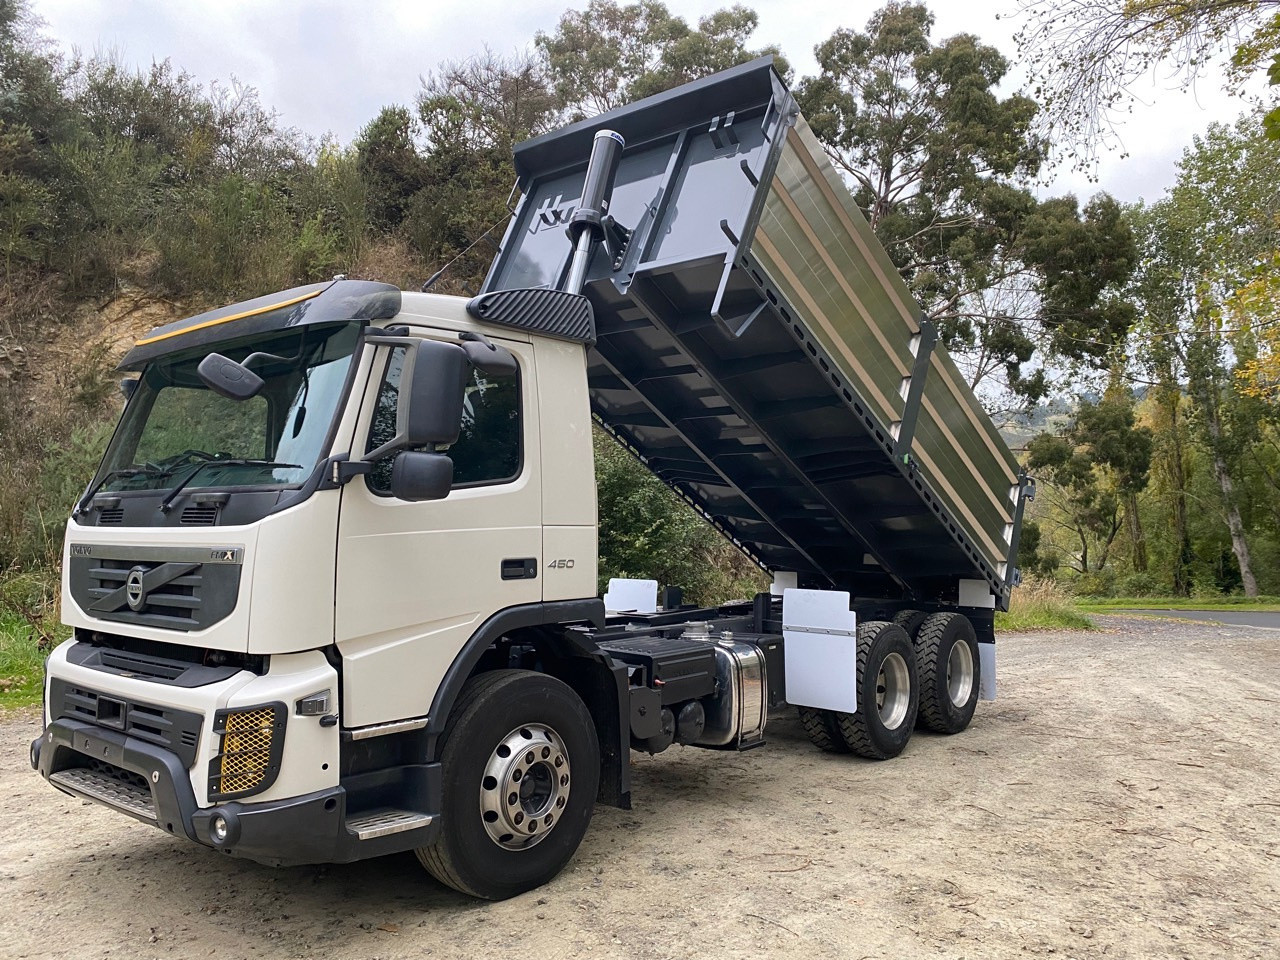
pixel 333 588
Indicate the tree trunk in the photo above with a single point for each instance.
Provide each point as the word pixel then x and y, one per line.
pixel 1136 534
pixel 1178 481
pixel 1234 524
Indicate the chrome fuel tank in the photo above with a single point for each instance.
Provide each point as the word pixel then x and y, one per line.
pixel 736 714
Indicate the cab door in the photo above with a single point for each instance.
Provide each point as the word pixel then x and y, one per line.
pixel 415 580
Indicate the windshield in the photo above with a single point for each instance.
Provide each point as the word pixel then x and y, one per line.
pixel 174 423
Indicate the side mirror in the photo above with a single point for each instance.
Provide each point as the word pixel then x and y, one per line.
pixel 433 383
pixel 419 476
pixel 227 378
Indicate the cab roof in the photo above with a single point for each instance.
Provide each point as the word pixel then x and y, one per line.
pixel 333 301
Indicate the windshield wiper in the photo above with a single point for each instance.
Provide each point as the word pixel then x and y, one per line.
pixel 107 477
pixel 167 503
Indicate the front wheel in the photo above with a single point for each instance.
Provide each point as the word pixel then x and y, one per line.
pixel 521 764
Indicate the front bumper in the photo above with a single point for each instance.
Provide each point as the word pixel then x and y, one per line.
pixel 149 784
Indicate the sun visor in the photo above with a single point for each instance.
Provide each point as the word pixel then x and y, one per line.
pixel 333 301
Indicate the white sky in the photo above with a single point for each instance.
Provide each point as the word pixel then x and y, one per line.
pixel 330 65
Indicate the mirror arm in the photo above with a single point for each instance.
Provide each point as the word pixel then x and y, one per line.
pixel 342 469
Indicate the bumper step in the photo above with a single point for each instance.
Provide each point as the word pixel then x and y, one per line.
pixel 114 792
pixel 385 821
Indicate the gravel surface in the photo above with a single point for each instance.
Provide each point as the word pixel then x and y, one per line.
pixel 1119 800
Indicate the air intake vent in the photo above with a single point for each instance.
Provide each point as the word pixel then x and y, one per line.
pixel 110 515
pixel 201 514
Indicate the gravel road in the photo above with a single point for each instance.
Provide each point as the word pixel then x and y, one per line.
pixel 1119 800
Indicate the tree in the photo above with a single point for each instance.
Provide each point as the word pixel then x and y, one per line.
pixel 473 113
pixel 1209 240
pixel 612 53
pixel 1087 54
pixel 390 164
pixel 942 166
pixel 1099 465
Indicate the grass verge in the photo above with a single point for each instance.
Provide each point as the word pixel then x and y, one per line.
pixel 23 647
pixel 1042 605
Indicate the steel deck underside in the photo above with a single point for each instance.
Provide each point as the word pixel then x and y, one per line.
pixel 751 432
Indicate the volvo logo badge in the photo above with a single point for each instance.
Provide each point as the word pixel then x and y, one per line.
pixel 134 595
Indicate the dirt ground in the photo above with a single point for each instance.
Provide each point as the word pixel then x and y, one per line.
pixel 1119 800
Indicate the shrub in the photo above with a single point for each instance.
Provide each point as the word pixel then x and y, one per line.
pixel 1042 605
pixel 1139 585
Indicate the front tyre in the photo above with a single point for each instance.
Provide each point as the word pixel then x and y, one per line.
pixel 521 765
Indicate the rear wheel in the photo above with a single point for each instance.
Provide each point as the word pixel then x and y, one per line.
pixel 521 764
pixel 950 672
pixel 823 729
pixel 887 693
pixel 910 621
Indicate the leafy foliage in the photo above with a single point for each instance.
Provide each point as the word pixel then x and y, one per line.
pixel 612 53
pixel 942 166
pixel 1087 54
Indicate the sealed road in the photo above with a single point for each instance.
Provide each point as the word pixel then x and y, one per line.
pixel 1118 801
pixel 1262 619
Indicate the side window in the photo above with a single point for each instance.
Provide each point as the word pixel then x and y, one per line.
pixel 488 447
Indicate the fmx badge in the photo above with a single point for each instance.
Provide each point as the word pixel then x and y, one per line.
pixel 224 555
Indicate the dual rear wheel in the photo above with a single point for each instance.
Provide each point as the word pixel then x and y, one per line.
pixel 920 669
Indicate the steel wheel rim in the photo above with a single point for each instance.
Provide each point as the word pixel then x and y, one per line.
pixel 959 673
pixel 893 691
pixel 524 787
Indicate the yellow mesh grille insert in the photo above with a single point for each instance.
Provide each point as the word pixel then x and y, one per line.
pixel 246 749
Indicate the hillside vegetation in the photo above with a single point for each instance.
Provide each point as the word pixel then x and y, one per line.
pixel 129 198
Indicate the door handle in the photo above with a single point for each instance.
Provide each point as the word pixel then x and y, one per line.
pixel 524 568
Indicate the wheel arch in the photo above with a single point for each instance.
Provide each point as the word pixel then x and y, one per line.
pixel 565 654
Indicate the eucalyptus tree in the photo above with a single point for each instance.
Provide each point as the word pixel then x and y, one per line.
pixel 943 165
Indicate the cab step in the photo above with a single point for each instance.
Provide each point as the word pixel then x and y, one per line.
pixel 385 821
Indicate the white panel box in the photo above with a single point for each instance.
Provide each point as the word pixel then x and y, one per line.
pixel 637 596
pixel 821 650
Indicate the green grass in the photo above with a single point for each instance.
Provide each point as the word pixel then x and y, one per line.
pixel 23 647
pixel 1103 604
pixel 1042 605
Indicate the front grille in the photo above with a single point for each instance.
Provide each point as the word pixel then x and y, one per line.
pixel 174 730
pixel 252 744
pixel 200 514
pixel 175 603
pixel 178 588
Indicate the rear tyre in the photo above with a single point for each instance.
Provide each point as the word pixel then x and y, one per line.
pixel 887 693
pixel 910 621
pixel 950 672
pixel 823 729
pixel 521 764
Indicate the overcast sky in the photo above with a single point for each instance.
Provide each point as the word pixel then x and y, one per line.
pixel 329 66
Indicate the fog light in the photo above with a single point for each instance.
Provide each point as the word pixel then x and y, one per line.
pixel 218 828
